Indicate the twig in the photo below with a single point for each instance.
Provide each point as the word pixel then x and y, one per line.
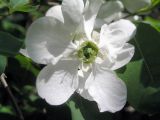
pixel 5 85
pixel 130 15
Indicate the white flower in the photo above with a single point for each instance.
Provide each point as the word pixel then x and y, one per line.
pixel 115 10
pixel 109 11
pixel 78 58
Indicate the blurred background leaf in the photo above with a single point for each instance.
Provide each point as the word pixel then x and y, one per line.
pixel 3 63
pixel 142 75
pixel 9 45
pixel 20 5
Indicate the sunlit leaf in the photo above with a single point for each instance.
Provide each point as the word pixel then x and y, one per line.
pixel 75 111
pixel 20 5
pixel 155 23
pixel 6 109
pixel 155 2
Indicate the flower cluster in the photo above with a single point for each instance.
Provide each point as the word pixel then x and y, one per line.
pixel 79 58
pixel 116 9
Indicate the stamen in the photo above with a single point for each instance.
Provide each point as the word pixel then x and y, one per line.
pixel 88 52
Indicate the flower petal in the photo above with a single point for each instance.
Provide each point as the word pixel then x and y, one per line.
pixel 135 5
pixel 107 90
pixel 56 12
pixel 81 86
pixel 57 83
pixel 115 35
pixel 46 39
pixel 124 56
pixel 125 26
pixel 24 52
pixel 72 11
pixel 85 94
pixel 90 14
pixel 109 9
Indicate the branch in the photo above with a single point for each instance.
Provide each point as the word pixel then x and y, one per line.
pixel 8 90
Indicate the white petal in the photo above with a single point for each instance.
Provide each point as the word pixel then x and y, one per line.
pixel 90 14
pixel 24 52
pixel 99 23
pixel 107 90
pixel 109 8
pixel 113 17
pixel 72 11
pixel 124 56
pixel 82 86
pixel 109 11
pixel 85 94
pixel 125 26
pixel 57 83
pixel 55 12
pixel 106 63
pixel 46 39
pixel 135 5
pixel 115 35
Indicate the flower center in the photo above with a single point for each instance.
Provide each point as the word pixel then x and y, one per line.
pixel 88 52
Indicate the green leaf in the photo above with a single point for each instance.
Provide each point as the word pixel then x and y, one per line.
pixel 13 28
pixel 20 5
pixel 142 75
pixel 6 109
pixel 23 70
pixel 153 22
pixel 3 63
pixel 75 112
pixel 9 45
pixel 155 2
pixel 18 2
pixel 24 8
pixel 27 64
pixel 2 3
pixel 82 109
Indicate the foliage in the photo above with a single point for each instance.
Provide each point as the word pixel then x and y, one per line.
pixel 142 74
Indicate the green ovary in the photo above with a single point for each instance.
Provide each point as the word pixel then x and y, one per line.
pixel 88 52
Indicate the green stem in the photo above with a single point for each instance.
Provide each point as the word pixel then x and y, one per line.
pixel 143 11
